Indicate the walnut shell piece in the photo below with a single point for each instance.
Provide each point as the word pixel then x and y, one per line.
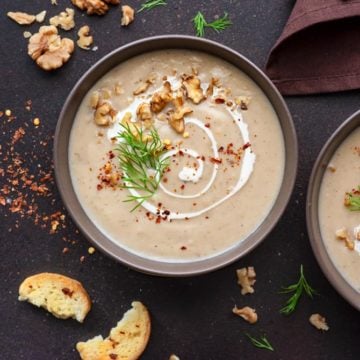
pixel 319 322
pixel 128 15
pixel 247 313
pixel 246 279
pixel 193 88
pixel 21 18
pixel 65 19
pixel 85 40
pixel 48 49
pixel 98 7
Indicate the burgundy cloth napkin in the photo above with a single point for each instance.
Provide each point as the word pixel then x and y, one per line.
pixel 319 49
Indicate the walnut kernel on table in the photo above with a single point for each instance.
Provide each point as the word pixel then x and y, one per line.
pixel 48 49
pixel 246 279
pixel 128 15
pixel 65 19
pixel 21 18
pixel 319 322
pixel 247 313
pixel 98 7
pixel 85 40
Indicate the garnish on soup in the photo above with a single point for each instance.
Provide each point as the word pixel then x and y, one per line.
pixel 352 199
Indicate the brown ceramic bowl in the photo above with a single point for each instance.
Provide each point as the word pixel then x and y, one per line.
pixel 312 211
pixel 62 166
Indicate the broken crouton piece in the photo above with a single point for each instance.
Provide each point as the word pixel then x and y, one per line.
pixel 60 295
pixel 126 341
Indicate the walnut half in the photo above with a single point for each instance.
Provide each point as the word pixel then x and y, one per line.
pixel 246 279
pixel 48 49
pixel 247 313
pixel 319 322
pixel 98 7
pixel 193 88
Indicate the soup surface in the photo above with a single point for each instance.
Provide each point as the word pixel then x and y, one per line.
pixel 339 220
pixel 213 179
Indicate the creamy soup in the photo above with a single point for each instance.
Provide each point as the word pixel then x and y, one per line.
pixel 339 220
pixel 213 178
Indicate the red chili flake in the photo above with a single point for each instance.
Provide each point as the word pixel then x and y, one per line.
pixel 166 212
pixel 186 218
pixel 18 134
pixel 113 356
pixel 159 205
pixel 245 146
pixel 207 125
pixel 158 219
pixel 99 187
pixel 243 106
pixel 219 100
pixel 221 149
pixel 66 291
pixel 183 248
pixel 111 154
pixel 181 153
pixel 165 180
pixel 206 217
pixel 215 161
pixel 203 158
pixel 182 187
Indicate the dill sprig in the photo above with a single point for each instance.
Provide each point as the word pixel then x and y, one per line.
pixel 217 25
pixel 297 290
pixel 140 161
pixel 150 4
pixel 262 343
pixel 352 200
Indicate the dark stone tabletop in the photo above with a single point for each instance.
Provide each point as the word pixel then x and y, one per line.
pixel 191 317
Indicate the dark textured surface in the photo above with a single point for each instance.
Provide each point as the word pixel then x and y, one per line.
pixel 192 316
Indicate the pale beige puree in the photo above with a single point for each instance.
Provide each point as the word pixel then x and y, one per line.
pixel 342 175
pixel 215 230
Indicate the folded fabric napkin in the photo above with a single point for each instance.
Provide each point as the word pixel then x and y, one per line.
pixel 319 49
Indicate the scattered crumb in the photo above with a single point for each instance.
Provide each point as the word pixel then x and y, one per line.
pixel 27 34
pixel 91 250
pixel 36 121
pixel 174 357
pixel 21 18
pixel 40 17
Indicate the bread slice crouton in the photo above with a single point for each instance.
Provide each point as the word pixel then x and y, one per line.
pixel 126 341
pixel 60 295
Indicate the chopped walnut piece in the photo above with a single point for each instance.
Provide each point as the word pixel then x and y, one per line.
pixel 142 88
pixel 193 88
pixel 40 17
pixel 85 40
pixel 128 15
pixel 48 49
pixel 144 113
pixel 160 99
pixel 243 102
pixel 246 279
pixel 21 18
pixel 215 82
pixel 104 114
pixel 247 313
pixel 319 322
pixel 98 7
pixel 176 119
pixel 65 19
pixel 342 234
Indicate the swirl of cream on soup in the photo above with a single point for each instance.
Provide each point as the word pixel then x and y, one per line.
pixel 194 174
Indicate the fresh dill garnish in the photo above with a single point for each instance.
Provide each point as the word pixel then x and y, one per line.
pixel 262 343
pixel 297 290
pixel 141 162
pixel 352 200
pixel 150 4
pixel 217 25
